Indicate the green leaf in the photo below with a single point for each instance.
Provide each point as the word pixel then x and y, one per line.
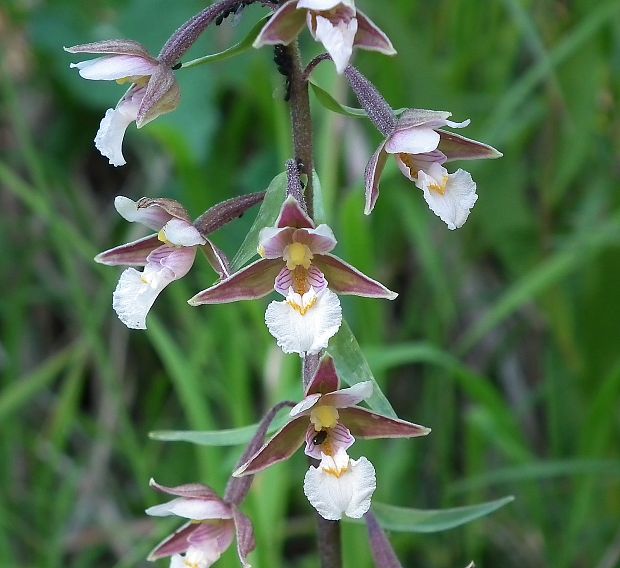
pixel 229 437
pixel 319 208
pixel 403 519
pixel 330 103
pixel 267 216
pixel 244 45
pixel 353 368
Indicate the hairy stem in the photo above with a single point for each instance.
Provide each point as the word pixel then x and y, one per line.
pixel 328 537
pixel 301 120
pixel 328 532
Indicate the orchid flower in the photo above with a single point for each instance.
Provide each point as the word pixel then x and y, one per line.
pixel 327 419
pixel 166 256
pixel 296 263
pixel 421 148
pixel 213 525
pixel 335 23
pixel 153 91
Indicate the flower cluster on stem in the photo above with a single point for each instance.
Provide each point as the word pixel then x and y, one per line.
pixel 295 261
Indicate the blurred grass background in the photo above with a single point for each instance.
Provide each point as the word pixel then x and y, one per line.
pixel 504 339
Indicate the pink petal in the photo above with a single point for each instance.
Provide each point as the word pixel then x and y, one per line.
pixel 178 260
pixel 338 438
pixel 320 5
pixel 150 215
pixel 216 536
pixel 286 280
pixel 162 95
pixel 246 542
pixel 176 543
pixel 350 396
pixel 347 280
pixel 281 447
pixel 170 206
pixel 283 27
pixel 423 117
pixel 325 378
pixel 372 175
pixel 131 254
pixel 457 147
pixel 114 67
pixel 194 509
pixel 320 240
pixel 217 259
pixel 367 424
pixel 370 37
pixel 306 404
pixel 292 215
pixel 415 140
pixel 189 490
pixel 273 240
pixel 111 47
pixel 250 283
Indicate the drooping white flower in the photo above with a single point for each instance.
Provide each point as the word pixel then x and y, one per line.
pixel 337 24
pixel 153 89
pixel 165 256
pixel 450 196
pixel 340 486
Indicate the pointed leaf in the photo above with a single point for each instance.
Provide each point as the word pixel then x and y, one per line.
pixel 228 437
pixel 352 368
pixel 403 519
pixel 330 103
pixel 244 45
pixel 267 215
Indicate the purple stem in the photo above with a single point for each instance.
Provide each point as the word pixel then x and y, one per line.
pixel 238 487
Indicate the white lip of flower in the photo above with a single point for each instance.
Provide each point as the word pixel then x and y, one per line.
pixel 304 323
pixel 109 138
pixel 340 486
pixel 194 558
pixel 449 196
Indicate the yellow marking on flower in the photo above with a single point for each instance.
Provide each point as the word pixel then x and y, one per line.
pixel 161 236
pixel 139 80
pixel 336 471
pixel 297 254
pixel 191 564
pixel 439 187
pixel 303 310
pixel 261 251
pixel 324 417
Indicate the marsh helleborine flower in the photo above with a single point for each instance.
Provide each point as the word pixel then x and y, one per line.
pixel 296 263
pixel 327 419
pixel 335 23
pixel 421 148
pixel 213 525
pixel 153 91
pixel 166 256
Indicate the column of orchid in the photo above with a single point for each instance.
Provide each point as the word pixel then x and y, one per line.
pixel 295 261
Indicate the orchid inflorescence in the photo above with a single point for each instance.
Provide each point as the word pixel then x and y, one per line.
pixel 295 260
